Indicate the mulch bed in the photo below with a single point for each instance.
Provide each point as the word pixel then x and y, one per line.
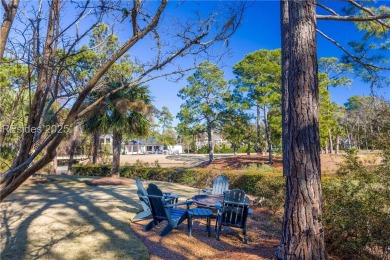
pixel 178 245
pixel 242 161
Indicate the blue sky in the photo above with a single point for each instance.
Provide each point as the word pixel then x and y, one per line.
pixel 261 30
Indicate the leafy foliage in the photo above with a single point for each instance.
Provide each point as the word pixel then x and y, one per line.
pixel 356 210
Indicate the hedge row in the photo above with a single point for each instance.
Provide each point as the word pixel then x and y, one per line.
pixel 251 183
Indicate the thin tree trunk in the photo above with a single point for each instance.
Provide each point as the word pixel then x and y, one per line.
pixel 95 146
pixel 258 129
pixel 326 147
pixel 210 143
pixel 365 133
pixel 55 165
pixel 235 149
pixel 337 144
pixel 116 152
pixel 358 138
pixel 268 135
pixel 73 144
pixel 330 142
pixel 302 234
pixel 9 15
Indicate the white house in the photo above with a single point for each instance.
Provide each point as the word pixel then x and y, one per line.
pixel 149 146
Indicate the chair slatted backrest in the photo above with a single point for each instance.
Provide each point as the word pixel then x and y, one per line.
pixel 235 208
pixel 220 185
pixel 157 203
pixel 142 194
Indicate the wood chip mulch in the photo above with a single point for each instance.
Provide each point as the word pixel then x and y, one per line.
pixel 178 245
pixel 242 161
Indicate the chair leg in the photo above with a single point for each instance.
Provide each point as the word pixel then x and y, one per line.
pixel 166 230
pixel 142 215
pixel 208 226
pixel 245 236
pixel 189 225
pixel 218 231
pixel 151 225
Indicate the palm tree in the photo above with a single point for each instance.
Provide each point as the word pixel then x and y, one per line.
pixel 127 112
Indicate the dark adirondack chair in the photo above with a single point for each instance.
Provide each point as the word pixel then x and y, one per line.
pixel 220 185
pixel 233 212
pixel 143 196
pixel 162 210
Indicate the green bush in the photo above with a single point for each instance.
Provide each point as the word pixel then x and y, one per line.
pixel 271 192
pixel 92 170
pixel 188 176
pixel 356 209
pixel 7 154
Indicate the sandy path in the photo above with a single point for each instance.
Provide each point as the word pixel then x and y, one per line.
pixel 67 219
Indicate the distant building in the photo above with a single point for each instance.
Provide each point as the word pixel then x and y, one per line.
pixel 150 146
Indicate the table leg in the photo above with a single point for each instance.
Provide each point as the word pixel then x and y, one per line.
pixel 208 226
pixel 190 225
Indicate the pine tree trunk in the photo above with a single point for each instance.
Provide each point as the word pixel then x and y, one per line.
pixel 258 130
pixel 95 146
pixel 116 152
pixel 303 236
pixel 337 144
pixel 330 142
pixel 210 143
pixel 73 144
pixel 268 135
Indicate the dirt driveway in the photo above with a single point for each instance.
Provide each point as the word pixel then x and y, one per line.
pixel 67 219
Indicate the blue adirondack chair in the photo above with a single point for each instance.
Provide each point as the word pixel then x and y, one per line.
pixel 220 185
pixel 162 210
pixel 233 212
pixel 143 196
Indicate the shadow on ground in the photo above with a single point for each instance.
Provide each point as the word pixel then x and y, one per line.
pixel 65 219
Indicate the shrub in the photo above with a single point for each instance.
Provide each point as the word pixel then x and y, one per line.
pixel 357 210
pixel 92 170
pixel 7 154
pixel 271 191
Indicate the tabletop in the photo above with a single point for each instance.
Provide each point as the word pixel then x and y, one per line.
pixel 208 200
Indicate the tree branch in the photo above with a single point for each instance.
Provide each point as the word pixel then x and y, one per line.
pixel 366 65
pixel 354 18
pixel 330 10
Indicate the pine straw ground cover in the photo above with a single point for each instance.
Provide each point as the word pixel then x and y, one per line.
pixel 262 240
pixel 263 234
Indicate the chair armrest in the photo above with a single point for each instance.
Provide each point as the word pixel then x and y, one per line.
pixel 172 196
pixel 188 203
pixel 206 191
pixel 236 203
